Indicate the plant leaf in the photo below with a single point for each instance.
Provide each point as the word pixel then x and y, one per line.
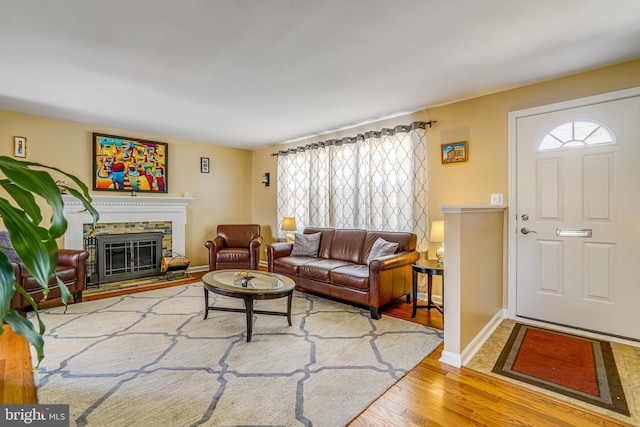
pixel 38 256
pixel 7 284
pixel 24 327
pixel 65 295
pixel 40 183
pixel 86 202
pixel 25 200
pixel 83 196
pixel 34 244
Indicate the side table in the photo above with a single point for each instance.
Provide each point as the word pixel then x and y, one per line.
pixel 431 268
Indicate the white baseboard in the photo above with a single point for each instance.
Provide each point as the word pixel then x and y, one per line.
pixel 482 337
pixel 422 296
pixel 198 268
pixel 450 358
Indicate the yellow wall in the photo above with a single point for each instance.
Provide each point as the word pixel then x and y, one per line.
pixel 264 198
pixel 473 271
pixel 481 272
pixel 482 121
pixel 223 195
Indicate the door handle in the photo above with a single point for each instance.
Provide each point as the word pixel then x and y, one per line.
pixel 573 232
pixel 525 230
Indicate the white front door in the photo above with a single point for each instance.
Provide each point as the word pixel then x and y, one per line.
pixel 578 216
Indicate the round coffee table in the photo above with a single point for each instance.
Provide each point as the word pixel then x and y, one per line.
pixel 264 285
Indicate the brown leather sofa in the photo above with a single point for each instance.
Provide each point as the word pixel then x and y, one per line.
pixel 340 269
pixel 235 246
pixel 71 269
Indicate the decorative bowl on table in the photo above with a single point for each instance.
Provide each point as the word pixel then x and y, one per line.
pixel 243 278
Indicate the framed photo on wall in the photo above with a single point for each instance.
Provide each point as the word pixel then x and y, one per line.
pixel 19 146
pixel 204 164
pixel 129 164
pixel 455 152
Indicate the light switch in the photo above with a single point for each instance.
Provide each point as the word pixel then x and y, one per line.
pixel 496 199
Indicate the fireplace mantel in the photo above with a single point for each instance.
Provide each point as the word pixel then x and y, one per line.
pixel 127 209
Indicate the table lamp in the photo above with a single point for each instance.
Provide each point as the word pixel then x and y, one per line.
pixel 437 235
pixel 288 226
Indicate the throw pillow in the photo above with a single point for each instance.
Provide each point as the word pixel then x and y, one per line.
pixel 381 248
pixel 306 244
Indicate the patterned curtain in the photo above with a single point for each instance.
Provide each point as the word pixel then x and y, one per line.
pixel 374 181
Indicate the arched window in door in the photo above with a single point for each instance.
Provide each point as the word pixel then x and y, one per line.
pixel 577 133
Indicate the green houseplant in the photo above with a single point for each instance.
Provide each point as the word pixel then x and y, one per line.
pixel 26 185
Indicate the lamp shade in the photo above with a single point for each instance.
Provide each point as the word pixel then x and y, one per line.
pixel 289 223
pixel 437 231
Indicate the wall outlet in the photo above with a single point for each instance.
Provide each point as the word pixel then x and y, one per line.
pixel 496 199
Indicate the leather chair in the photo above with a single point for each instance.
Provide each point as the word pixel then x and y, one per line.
pixel 71 269
pixel 236 246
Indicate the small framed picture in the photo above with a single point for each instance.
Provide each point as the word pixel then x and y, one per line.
pixel 204 164
pixel 19 146
pixel 455 152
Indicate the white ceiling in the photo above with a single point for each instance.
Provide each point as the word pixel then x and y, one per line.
pixel 253 73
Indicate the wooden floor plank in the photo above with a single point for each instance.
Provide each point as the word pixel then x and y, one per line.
pixel 17 374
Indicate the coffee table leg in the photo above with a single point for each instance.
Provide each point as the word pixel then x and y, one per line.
pixel 289 298
pixel 206 302
pixel 248 308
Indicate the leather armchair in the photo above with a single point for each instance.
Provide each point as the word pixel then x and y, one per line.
pixel 71 269
pixel 236 246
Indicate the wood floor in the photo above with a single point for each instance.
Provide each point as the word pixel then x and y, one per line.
pixel 437 394
pixel 15 369
pixel 432 394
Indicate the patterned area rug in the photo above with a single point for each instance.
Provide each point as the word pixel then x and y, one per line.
pixel 578 367
pixel 151 359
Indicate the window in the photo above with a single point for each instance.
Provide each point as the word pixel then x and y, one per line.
pixel 375 181
pixel 577 133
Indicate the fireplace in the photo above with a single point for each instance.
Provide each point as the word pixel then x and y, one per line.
pixel 128 256
pixel 119 229
pixel 126 214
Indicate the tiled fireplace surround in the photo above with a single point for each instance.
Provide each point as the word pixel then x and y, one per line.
pixel 121 214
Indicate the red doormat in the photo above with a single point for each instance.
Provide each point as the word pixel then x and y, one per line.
pixel 577 367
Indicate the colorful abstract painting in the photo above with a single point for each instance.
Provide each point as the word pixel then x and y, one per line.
pixel 129 165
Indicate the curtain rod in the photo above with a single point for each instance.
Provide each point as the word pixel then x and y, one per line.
pixel 359 137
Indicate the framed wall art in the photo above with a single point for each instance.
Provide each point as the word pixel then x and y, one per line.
pixel 129 164
pixel 204 164
pixel 19 146
pixel 455 152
